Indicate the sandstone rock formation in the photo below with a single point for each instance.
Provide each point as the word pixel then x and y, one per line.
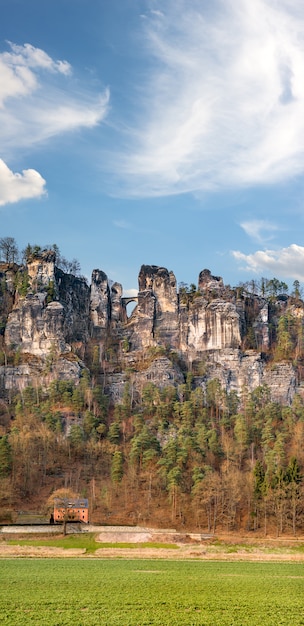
pixel 56 317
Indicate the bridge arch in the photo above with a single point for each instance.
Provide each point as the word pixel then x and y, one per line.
pixel 129 303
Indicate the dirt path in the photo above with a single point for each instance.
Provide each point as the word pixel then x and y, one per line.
pixel 184 546
pixel 180 553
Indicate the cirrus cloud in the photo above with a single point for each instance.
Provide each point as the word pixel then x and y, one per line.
pixel 221 104
pixel 259 230
pixel 35 107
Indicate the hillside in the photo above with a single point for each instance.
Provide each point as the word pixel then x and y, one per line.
pixel 188 412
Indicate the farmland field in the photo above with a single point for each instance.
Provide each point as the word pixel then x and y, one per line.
pixel 84 592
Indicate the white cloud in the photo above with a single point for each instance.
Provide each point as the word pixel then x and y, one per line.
pixel 130 293
pixel 259 230
pixel 15 187
pixel 287 262
pixel 223 104
pixel 16 68
pixel 38 99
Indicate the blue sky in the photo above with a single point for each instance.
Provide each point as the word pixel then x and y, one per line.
pixel 166 132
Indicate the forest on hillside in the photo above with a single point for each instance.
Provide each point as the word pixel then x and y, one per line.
pixel 182 457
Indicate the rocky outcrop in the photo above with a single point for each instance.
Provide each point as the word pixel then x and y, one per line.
pixel 118 313
pixel 155 320
pixel 41 270
pixel 100 306
pixel 17 378
pixel 74 295
pixel 54 313
pixel 209 284
pixel 161 372
pixel 36 327
pixel 46 319
pixel 261 327
pixel 212 326
pixel 190 326
pixel 237 370
pixel 282 382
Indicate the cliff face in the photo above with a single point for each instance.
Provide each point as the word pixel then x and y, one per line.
pixel 35 327
pixel 49 314
pixel 190 325
pixel 154 321
pixel 100 308
pixel 57 319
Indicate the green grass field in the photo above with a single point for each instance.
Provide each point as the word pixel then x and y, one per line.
pixel 84 542
pixel 84 592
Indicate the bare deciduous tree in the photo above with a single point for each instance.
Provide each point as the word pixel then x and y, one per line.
pixel 8 249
